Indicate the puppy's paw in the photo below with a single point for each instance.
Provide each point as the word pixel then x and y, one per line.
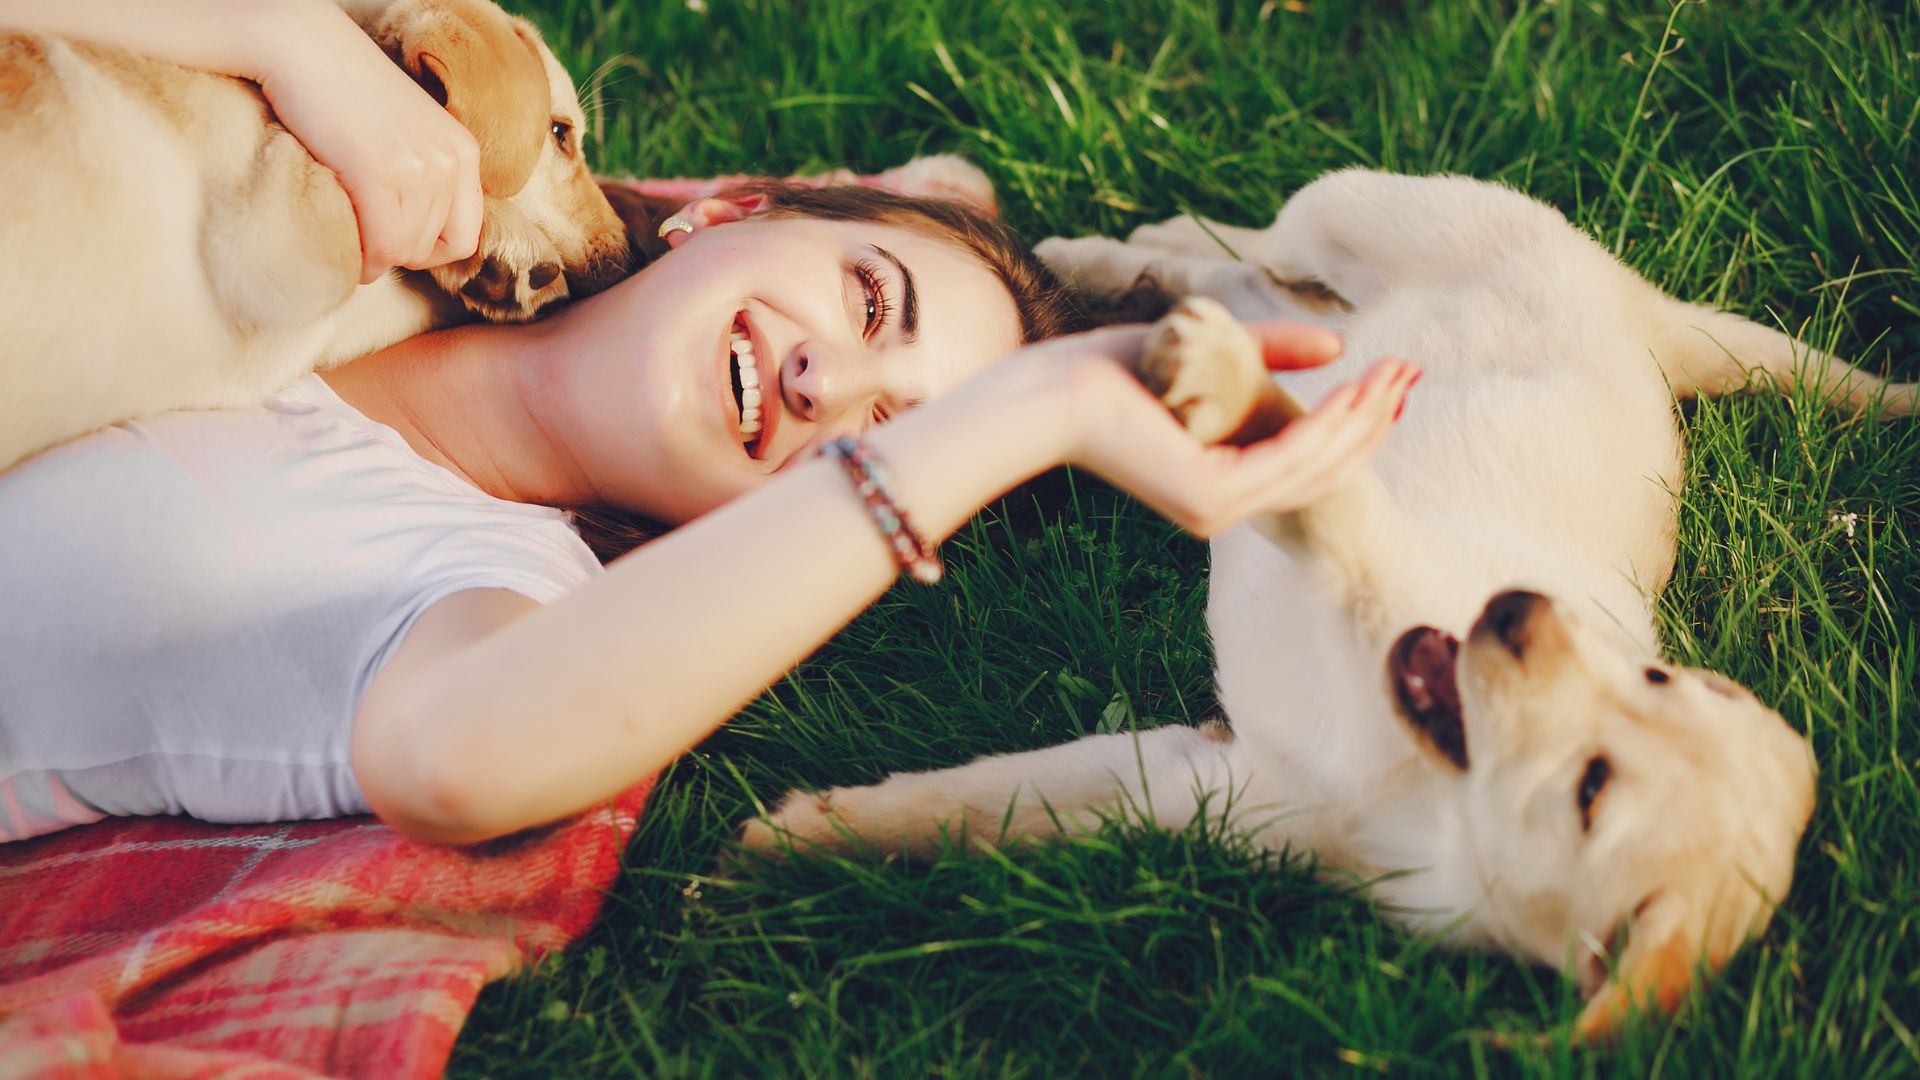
pixel 941 176
pixel 515 274
pixel 1093 265
pixel 1208 370
pixel 801 822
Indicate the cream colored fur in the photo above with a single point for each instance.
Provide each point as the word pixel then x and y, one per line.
pixel 170 246
pixel 1540 452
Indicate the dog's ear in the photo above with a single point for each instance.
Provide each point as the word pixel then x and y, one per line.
pixel 1655 971
pixel 485 67
pixel 641 214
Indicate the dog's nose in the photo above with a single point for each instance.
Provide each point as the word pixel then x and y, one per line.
pixel 1509 617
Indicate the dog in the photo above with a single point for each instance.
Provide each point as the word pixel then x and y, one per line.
pixel 170 245
pixel 1444 679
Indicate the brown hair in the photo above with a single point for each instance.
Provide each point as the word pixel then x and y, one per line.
pixel 1045 307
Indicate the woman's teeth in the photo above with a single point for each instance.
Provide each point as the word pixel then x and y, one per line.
pixel 742 347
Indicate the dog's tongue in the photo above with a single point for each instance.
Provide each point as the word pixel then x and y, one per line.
pixel 1423 662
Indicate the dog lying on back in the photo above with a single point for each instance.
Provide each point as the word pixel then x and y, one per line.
pixel 1444 679
pixel 169 245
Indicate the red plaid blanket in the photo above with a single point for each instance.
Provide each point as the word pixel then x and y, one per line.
pixel 168 948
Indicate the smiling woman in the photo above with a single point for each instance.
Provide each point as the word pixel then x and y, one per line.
pixel 369 592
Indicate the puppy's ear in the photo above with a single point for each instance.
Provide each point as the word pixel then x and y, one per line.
pixel 1655 971
pixel 485 67
pixel 641 214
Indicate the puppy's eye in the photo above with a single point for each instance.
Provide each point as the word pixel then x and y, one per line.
pixel 1656 676
pixel 1592 782
pixel 563 136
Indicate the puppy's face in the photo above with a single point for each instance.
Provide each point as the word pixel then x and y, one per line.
pixel 561 198
pixel 547 232
pixel 1631 819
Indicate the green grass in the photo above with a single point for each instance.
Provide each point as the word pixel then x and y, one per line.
pixel 1759 154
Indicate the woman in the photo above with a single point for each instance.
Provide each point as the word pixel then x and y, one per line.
pixel 360 596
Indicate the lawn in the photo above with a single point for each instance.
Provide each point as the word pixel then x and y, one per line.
pixel 1757 154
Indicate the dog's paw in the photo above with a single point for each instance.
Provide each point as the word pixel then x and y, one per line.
pixel 515 274
pixel 800 822
pixel 1208 370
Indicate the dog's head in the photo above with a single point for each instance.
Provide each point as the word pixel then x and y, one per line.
pixel 548 233
pixel 1636 818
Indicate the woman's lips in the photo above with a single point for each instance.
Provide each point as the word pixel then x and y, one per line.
pixel 730 405
pixel 769 389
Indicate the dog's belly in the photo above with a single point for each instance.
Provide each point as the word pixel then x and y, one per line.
pixel 1542 439
pixel 1523 460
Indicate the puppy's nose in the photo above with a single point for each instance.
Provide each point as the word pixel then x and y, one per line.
pixel 1509 617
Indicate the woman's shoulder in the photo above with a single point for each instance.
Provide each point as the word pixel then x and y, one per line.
pixel 299 486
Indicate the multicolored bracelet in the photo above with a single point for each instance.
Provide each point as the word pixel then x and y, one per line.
pixel 869 478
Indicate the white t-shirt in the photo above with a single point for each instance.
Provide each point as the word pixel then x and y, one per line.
pixel 192 605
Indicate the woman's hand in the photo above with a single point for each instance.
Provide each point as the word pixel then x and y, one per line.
pixel 1120 431
pixel 411 169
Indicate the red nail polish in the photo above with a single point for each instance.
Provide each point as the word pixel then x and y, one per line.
pixel 1401 409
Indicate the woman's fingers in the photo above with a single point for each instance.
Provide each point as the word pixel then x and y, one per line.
pixel 411 169
pixel 460 234
pixel 1327 446
pixel 1312 456
pixel 1287 346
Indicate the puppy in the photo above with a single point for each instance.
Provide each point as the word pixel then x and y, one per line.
pixel 169 245
pixel 1444 679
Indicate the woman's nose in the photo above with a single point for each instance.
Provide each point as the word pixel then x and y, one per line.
pixel 822 383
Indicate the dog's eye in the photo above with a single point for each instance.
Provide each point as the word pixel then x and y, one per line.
pixel 1656 676
pixel 563 136
pixel 1592 782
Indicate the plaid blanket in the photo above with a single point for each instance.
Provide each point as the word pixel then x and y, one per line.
pixel 161 947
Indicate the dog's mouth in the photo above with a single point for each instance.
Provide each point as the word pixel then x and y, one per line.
pixel 1421 668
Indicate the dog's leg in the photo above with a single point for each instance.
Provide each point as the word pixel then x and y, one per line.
pixel 1707 352
pixel 1166 775
pixel 278 201
pixel 1198 238
pixel 1107 268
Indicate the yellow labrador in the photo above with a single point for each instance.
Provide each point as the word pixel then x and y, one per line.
pixel 168 245
pixel 1445 678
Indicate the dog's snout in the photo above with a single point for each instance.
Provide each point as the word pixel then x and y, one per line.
pixel 1509 617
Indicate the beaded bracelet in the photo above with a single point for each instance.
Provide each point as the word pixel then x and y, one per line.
pixel 869 478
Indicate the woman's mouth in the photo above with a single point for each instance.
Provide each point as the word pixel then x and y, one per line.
pixel 744 373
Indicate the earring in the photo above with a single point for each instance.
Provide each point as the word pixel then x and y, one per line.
pixel 675 224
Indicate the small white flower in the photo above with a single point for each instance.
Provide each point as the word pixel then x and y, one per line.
pixel 1848 519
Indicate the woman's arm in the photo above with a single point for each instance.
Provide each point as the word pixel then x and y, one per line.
pixel 497 714
pixel 412 171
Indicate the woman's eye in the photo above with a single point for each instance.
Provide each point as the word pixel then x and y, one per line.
pixel 876 306
pixel 1656 676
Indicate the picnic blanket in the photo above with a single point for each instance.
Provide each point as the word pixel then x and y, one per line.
pixel 162 947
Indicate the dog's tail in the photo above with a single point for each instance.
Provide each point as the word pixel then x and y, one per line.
pixel 1707 353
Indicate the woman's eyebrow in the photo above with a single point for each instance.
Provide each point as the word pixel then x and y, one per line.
pixel 909 297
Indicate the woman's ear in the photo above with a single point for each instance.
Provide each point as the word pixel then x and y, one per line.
pixel 716 210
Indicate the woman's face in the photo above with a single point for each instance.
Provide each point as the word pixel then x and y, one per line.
pixel 846 323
